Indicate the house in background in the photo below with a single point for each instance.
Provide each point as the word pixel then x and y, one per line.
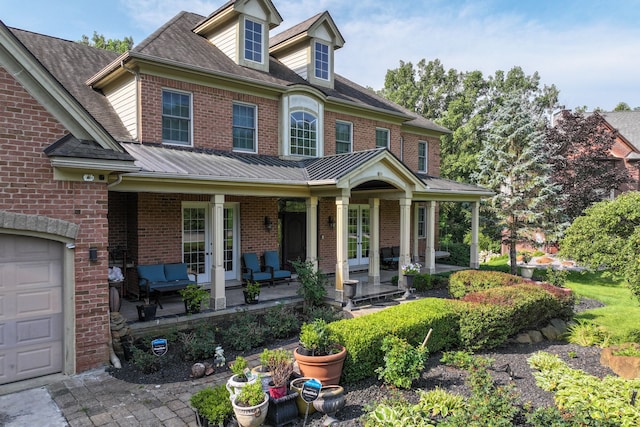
pixel 205 141
pixel 625 125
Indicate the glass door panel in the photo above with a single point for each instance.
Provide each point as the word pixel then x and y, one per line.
pixel 195 241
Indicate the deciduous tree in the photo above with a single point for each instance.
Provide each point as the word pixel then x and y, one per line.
pixel 116 45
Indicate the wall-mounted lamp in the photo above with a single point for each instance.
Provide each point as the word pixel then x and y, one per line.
pixel 331 222
pixel 93 254
pixel 268 225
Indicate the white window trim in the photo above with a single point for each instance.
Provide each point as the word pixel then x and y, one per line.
pixel 299 102
pixel 388 137
pixel 422 215
pixel 243 54
pixel 426 156
pixel 350 134
pixel 315 52
pixel 255 133
pixel 178 143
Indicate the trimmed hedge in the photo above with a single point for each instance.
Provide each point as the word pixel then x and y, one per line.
pixel 464 282
pixel 362 336
pixel 490 316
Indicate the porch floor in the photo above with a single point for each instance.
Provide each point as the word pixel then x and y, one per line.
pixel 173 310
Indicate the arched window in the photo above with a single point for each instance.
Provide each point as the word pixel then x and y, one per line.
pixel 304 134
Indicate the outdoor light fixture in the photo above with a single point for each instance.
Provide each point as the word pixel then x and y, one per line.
pixel 268 225
pixel 93 254
pixel 331 222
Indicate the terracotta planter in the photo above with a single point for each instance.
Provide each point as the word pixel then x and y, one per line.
pixel 251 416
pixel 326 369
pixel 303 407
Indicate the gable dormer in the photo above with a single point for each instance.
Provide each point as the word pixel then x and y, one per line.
pixel 308 48
pixel 240 29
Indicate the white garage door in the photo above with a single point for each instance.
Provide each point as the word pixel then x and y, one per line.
pixel 30 307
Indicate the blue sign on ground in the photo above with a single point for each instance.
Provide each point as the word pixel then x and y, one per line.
pixel 310 390
pixel 159 346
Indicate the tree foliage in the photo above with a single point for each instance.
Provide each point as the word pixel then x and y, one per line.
pixel 608 235
pixel 514 161
pixel 115 45
pixel 581 161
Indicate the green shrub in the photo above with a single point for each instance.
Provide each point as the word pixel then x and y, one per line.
pixel 213 404
pixel 588 334
pixel 144 360
pixel 422 282
pixel 325 312
pixel 362 336
pixel 403 362
pixel 467 281
pixel 199 343
pixel 440 402
pixel 394 412
pixel 244 333
pixel 440 281
pixel 490 316
pixel 281 322
pixel 459 254
pixel 586 399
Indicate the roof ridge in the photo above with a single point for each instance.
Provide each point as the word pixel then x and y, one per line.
pixel 151 37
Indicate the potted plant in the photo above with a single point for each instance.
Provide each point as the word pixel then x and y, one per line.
pixel 280 363
pixel 212 406
pixel 319 355
pixel 526 270
pixel 250 405
pixel 241 375
pixel 251 292
pixel 409 271
pixel 195 297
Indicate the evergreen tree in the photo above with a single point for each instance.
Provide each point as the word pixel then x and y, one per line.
pixel 514 163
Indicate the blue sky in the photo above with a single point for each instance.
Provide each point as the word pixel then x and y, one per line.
pixel 590 49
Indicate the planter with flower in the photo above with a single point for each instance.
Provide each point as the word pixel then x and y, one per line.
pixel 251 292
pixel 409 271
pixel 319 355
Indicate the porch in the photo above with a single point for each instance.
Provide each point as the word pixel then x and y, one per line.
pixel 173 311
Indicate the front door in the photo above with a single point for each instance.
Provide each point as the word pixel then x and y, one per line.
pixel 358 244
pixel 196 240
pixel 294 238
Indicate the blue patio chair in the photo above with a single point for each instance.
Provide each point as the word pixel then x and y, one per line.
pixel 252 272
pixel 272 259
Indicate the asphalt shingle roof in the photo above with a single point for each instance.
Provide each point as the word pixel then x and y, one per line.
pixel 627 123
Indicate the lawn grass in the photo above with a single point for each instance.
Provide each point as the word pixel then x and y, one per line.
pixel 621 313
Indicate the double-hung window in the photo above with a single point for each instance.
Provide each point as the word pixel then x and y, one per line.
pixel 321 61
pixel 343 137
pixel 304 134
pixel 176 117
pixel 422 221
pixel 382 137
pixel 252 41
pixel 244 127
pixel 422 156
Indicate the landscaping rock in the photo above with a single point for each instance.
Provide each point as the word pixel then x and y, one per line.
pixel 523 339
pixel 560 325
pixel 536 336
pixel 550 332
pixel 627 367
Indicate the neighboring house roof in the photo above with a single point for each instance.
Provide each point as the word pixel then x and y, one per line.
pixel 627 123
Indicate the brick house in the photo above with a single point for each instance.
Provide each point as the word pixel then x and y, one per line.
pixel 625 125
pixel 207 140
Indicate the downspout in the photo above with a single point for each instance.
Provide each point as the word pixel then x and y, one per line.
pixel 116 182
pixel 402 149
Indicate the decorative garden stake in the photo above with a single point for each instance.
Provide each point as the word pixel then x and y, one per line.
pixel 310 392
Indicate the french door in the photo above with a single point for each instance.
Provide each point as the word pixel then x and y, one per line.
pixel 358 243
pixel 197 246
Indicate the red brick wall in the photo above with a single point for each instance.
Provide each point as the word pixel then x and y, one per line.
pixel 410 157
pixel 364 133
pixel 27 186
pixel 212 115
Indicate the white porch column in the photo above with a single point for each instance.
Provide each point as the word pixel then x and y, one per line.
pixel 374 242
pixel 342 257
pixel 405 237
pixel 217 260
pixel 430 253
pixel 475 227
pixel 312 227
pixel 415 250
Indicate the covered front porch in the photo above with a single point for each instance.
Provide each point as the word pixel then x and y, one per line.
pixel 173 311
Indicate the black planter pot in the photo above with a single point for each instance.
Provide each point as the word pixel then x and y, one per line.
pixel 191 308
pixel 250 299
pixel 304 351
pixel 146 312
pixel 282 411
